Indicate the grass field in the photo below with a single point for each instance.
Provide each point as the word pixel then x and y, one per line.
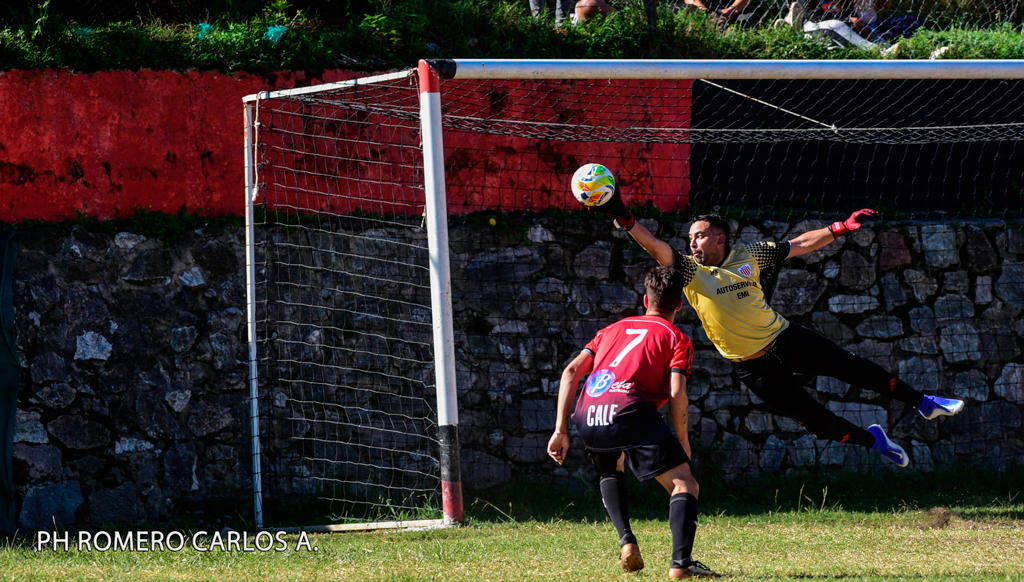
pixel 790 545
pixel 809 536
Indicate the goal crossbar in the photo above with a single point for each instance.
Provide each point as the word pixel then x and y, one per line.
pixel 725 69
pixel 681 69
pixel 327 86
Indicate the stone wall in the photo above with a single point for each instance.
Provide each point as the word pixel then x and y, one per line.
pixel 938 304
pixel 134 395
pixel 134 400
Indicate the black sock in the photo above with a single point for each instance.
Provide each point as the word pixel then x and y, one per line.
pixel 613 492
pixel 860 436
pixel 682 520
pixel 904 392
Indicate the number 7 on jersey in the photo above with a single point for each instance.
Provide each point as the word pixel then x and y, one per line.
pixel 640 333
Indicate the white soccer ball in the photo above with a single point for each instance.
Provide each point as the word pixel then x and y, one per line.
pixel 593 184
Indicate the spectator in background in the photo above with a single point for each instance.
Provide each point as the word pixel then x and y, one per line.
pixel 850 23
pixel 587 9
pixel 845 23
pixel 563 10
pixel 721 12
pixel 894 28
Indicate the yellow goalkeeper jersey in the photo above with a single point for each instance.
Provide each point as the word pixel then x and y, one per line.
pixel 729 300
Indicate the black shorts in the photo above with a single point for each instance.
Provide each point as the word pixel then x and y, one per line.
pixel 645 461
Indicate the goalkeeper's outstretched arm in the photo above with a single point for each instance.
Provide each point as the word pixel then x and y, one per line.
pixel 815 239
pixel 800 245
pixel 615 208
pixel 660 250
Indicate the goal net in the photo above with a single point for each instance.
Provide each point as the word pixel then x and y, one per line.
pixel 343 315
pixel 348 424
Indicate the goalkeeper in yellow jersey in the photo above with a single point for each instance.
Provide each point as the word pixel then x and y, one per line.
pixel 722 284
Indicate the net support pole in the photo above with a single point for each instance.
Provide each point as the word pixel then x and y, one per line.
pixel 440 291
pixel 250 310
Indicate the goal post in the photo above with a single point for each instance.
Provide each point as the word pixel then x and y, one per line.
pixel 352 187
pixel 436 218
pixel 340 333
pixel 250 312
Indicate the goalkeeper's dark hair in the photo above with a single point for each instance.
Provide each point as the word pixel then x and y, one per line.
pixel 717 222
pixel 664 287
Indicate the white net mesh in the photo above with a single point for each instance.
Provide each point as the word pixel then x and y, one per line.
pixel 343 310
pixel 931 292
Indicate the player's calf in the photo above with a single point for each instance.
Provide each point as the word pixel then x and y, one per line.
pixel 934 407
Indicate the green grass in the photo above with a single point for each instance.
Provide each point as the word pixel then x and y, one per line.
pixel 790 529
pixel 382 34
pixel 787 545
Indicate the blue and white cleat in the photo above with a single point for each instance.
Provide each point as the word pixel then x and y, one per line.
pixel 934 407
pixel 887 448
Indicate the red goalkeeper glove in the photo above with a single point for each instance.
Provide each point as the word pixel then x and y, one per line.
pixel 617 210
pixel 850 224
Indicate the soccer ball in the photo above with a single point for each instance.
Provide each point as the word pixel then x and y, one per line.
pixel 593 184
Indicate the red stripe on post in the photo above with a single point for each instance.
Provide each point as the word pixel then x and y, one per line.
pixel 451 499
pixel 429 81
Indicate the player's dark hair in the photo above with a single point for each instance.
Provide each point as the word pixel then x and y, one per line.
pixel 715 221
pixel 664 287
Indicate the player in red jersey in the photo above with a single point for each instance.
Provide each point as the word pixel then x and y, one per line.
pixel 638 364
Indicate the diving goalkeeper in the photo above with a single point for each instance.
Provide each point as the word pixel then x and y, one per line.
pixel 722 283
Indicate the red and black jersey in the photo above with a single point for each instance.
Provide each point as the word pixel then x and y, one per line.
pixel 633 360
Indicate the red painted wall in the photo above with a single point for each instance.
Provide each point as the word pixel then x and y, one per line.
pixel 107 143
pixel 583 121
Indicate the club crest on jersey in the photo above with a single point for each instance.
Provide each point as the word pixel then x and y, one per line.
pixel 599 383
pixel 745 270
